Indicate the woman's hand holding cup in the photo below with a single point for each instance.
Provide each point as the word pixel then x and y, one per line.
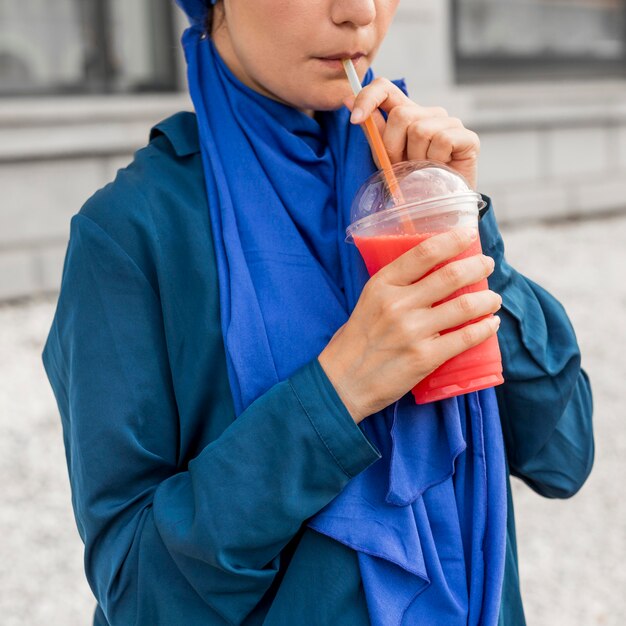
pixel 393 338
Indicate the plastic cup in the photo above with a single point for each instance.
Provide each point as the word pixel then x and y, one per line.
pixel 436 199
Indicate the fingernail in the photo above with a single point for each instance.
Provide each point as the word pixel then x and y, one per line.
pixel 496 321
pixel 357 116
pixel 473 234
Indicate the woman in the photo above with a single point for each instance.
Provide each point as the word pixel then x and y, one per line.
pixel 241 443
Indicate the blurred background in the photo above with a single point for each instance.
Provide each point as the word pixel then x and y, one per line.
pixel 543 82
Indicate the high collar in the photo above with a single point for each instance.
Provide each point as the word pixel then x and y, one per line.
pixel 182 131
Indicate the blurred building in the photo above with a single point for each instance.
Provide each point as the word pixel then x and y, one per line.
pixel 81 82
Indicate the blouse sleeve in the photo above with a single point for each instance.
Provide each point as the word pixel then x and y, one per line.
pixel 161 536
pixel 545 403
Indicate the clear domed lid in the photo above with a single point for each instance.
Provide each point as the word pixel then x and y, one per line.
pixel 421 184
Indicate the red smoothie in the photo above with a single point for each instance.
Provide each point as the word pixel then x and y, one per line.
pixel 477 368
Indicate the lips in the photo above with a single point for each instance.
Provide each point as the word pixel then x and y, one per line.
pixel 343 55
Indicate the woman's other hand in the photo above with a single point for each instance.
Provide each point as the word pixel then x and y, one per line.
pixel 413 132
pixel 392 339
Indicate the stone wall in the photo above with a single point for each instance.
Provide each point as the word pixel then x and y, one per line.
pixel 54 154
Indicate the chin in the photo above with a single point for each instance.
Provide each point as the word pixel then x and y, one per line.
pixel 329 101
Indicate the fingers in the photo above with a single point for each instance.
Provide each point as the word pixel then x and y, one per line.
pixel 463 309
pixel 415 133
pixel 434 138
pixel 400 120
pixel 451 277
pixel 422 258
pixel 379 120
pixel 451 344
pixel 380 93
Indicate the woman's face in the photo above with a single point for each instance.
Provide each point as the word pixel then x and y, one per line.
pixel 290 50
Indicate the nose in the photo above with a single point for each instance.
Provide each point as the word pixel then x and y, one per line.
pixel 354 12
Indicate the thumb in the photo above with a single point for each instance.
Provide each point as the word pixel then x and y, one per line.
pixel 349 102
pixel 377 116
pixel 379 121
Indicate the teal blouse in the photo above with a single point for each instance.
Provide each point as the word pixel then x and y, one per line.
pixel 189 516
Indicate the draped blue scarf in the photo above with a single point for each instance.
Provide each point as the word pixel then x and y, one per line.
pixel 428 519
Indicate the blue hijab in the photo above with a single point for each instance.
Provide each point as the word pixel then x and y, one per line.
pixel 428 520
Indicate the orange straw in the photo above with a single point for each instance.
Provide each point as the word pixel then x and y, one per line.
pixel 376 141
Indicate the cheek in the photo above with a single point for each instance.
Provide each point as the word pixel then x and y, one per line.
pixel 272 20
pixel 275 64
pixel 389 7
pixel 385 13
pixel 270 35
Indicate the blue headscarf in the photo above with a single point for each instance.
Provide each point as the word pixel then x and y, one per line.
pixel 428 520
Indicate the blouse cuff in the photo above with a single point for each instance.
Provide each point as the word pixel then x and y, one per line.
pixel 344 440
pixel 490 237
pixel 519 295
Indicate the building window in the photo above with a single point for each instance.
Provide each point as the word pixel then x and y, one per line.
pixel 520 39
pixel 86 46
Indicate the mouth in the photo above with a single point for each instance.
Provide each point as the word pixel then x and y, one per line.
pixel 334 61
pixel 340 56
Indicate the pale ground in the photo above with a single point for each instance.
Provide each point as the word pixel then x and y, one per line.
pixel 572 552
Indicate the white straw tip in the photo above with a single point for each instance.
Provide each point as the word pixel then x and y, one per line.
pixel 353 77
